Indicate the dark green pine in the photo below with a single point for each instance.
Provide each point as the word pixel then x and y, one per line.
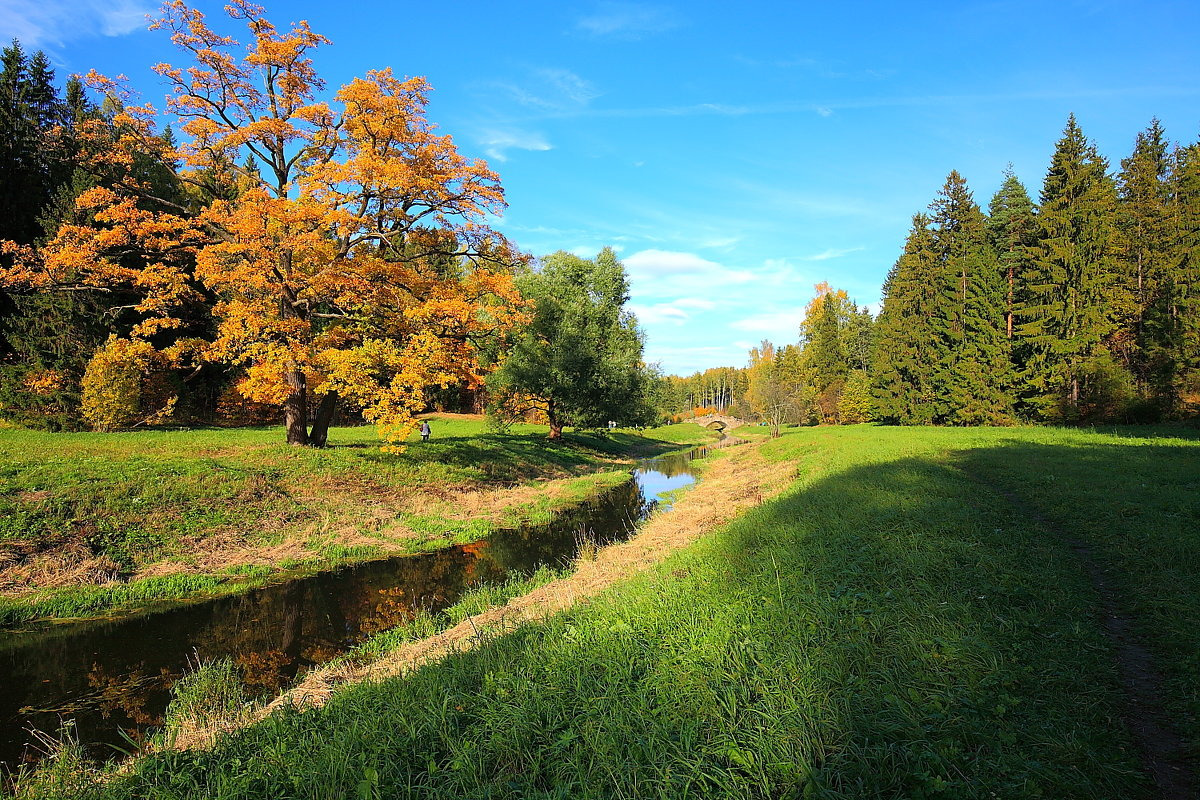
pixel 826 352
pixel 1070 310
pixel 904 355
pixel 973 378
pixel 1012 231
pixel 1143 251
pixel 1172 322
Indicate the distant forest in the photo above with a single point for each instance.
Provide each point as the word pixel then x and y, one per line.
pixel 1083 307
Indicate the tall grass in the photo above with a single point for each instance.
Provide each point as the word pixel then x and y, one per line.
pixel 892 627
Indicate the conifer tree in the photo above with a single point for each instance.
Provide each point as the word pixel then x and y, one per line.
pixel 1068 316
pixel 905 347
pixel 1012 230
pixel 1172 323
pixel 858 338
pixel 972 376
pixel 1143 251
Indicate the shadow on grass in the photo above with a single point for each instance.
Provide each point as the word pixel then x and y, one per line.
pixel 509 456
pixel 892 631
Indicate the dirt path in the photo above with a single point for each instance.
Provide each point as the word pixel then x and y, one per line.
pixel 1162 751
pixel 733 482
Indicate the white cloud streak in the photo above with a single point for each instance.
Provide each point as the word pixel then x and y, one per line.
pixel 497 143
pixel 627 21
pixel 54 23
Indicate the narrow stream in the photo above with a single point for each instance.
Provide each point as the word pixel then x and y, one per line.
pixel 113 677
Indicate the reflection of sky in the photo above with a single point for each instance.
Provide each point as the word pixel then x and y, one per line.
pixel 655 484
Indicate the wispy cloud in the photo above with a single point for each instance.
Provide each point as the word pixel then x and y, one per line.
pixel 547 89
pixel 830 107
pixel 779 326
pixel 497 143
pixel 686 360
pixel 831 252
pixel 627 21
pixel 675 312
pixel 668 266
pixel 54 23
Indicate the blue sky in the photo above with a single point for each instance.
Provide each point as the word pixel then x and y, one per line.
pixel 734 154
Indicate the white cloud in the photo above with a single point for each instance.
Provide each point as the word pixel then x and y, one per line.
pixel 831 252
pixel 569 86
pixel 53 23
pixel 687 360
pixel 698 303
pixel 780 327
pixel 547 89
pixel 659 263
pixel 659 313
pixel 498 142
pixel 627 21
pixel 673 312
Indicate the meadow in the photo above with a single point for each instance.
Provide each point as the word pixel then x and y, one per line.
pixel 90 523
pixel 921 615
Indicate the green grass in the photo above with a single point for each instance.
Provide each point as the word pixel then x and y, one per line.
pixel 906 622
pixel 134 499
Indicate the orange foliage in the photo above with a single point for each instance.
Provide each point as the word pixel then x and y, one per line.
pixel 348 255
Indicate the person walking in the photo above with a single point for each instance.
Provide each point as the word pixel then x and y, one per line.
pixel 425 430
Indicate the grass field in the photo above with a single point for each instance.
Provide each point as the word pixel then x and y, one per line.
pixel 915 618
pixel 90 522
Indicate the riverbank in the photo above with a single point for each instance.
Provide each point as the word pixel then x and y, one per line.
pixel 101 523
pixel 922 614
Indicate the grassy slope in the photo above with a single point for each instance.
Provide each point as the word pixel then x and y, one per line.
pixel 894 627
pixel 138 499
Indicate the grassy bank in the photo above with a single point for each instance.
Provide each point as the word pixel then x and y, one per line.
pixel 911 620
pixel 93 522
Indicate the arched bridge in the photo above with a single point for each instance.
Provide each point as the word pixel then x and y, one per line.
pixel 718 422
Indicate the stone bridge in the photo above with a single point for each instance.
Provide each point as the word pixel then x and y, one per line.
pixel 718 422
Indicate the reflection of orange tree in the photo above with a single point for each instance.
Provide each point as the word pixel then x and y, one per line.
pixel 320 652
pixel 391 609
pixel 383 601
pixel 473 553
pixel 128 692
pixel 263 668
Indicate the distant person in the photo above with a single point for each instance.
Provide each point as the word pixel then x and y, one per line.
pixel 425 431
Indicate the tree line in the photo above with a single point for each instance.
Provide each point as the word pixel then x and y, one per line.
pixel 289 254
pixel 1081 307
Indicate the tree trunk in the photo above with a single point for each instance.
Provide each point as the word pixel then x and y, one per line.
pixel 320 429
pixel 556 424
pixel 295 408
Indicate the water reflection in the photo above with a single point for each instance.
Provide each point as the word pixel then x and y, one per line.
pixel 113 678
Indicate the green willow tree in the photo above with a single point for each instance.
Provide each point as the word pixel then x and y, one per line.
pixel 579 361
pixel 1073 295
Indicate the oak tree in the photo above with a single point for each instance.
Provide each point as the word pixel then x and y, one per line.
pixel 340 241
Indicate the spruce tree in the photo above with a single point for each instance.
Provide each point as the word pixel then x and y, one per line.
pixel 973 377
pixel 905 352
pixel 1172 322
pixel 1143 251
pixel 1068 315
pixel 825 351
pixel 1012 231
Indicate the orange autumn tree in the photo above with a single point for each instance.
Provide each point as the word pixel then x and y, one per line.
pixel 341 243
